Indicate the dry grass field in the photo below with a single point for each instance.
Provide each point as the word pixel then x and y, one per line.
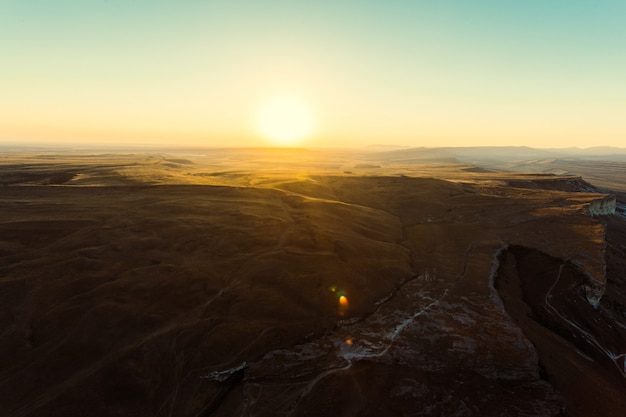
pixel 302 283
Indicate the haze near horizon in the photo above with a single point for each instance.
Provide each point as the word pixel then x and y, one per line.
pixel 450 73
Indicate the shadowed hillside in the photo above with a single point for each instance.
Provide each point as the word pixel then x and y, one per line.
pixel 297 283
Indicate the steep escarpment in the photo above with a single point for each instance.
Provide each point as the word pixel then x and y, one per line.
pixel 576 342
pixel 600 205
pixel 594 202
pixel 552 182
pixel 603 206
pixel 581 349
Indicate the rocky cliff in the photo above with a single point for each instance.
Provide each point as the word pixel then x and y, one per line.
pixel 603 206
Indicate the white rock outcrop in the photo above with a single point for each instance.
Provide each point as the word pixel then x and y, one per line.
pixel 602 206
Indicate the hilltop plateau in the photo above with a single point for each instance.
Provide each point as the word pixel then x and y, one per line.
pixel 307 283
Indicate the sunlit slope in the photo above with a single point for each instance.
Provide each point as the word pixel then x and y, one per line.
pixel 136 287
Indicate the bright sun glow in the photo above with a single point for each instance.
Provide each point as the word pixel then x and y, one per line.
pixel 285 120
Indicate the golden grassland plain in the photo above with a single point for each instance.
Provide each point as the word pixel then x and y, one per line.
pixel 293 282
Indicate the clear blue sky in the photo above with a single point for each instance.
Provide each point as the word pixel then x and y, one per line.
pixel 423 73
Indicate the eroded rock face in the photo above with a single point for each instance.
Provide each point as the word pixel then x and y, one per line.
pixel 603 206
pixel 546 297
pixel 329 295
pixel 594 291
pixel 594 203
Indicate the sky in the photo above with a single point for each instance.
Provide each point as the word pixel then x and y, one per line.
pixel 542 73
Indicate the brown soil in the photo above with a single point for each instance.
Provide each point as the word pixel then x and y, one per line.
pixel 268 284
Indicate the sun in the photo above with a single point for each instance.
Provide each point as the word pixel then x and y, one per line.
pixel 285 119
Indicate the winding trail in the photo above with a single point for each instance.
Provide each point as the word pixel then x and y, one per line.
pixel 621 367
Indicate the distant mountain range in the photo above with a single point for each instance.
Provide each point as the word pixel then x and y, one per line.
pixel 491 154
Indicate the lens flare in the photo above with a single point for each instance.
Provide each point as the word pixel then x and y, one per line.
pixel 343 301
